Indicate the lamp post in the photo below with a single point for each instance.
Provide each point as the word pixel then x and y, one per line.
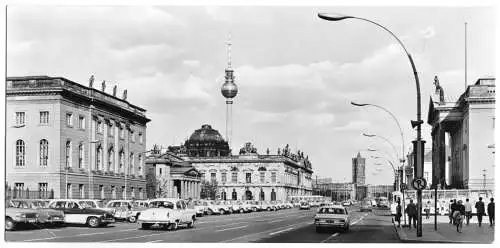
pixel 418 143
pixel 383 138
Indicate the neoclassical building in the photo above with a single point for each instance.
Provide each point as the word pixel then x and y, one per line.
pixel 74 140
pixel 467 127
pixel 248 175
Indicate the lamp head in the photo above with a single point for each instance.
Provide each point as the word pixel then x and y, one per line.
pixel 359 104
pixel 369 135
pixel 333 17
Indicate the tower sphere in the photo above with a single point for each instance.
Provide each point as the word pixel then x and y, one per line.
pixel 229 89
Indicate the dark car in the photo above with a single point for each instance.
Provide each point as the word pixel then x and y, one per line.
pixel 74 213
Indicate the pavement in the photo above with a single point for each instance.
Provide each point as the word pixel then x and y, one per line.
pixel 284 226
pixel 447 233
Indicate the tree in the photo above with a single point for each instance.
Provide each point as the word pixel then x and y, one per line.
pixel 209 190
pixel 151 184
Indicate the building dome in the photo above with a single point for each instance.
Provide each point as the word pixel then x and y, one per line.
pixel 229 89
pixel 206 142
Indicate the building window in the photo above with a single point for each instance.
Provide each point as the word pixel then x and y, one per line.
pixel 68 154
pixel 234 195
pixel 122 133
pixel 132 136
pixel 262 177
pixel 132 192
pixel 113 192
pixel 140 164
pixel 213 177
pixel 261 196
pixel 81 191
pixel 234 177
pixel 223 195
pixel 44 117
pixel 80 156
pixel 140 138
pixel 44 152
pixel 122 161
pixel 20 118
pixel 81 122
pixel 69 191
pixel 101 191
pixel 43 188
pixel 111 159
pixel 160 172
pixel 19 186
pixel 131 161
pixel 69 119
pixel 20 153
pixel 99 157
pixel 249 177
pixel 124 192
pixel 224 177
pixel 273 177
pixel 273 195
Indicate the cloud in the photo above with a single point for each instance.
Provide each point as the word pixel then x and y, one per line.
pixel 191 63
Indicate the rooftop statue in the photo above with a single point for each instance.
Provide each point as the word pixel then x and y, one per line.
pixel 439 90
pixel 91 81
pixel 125 95
pixel 114 90
pixel 103 85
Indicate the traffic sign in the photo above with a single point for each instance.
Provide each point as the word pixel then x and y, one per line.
pixel 419 183
pixel 404 186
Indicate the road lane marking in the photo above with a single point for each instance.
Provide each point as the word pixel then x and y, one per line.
pixel 284 230
pixel 98 233
pixel 251 234
pixel 154 241
pixel 281 219
pixel 360 219
pixel 232 228
pixel 82 234
pixel 331 236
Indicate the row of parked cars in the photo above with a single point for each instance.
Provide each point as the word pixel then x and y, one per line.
pixel 166 212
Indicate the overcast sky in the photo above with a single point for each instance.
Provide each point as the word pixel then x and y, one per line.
pixel 296 73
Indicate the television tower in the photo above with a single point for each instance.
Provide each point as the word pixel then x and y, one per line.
pixel 229 90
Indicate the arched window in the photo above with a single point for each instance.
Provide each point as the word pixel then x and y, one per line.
pixel 122 161
pixel 223 195
pixel 99 156
pixel 234 195
pixel 131 161
pixel 261 195
pixel 20 153
pixel 68 154
pixel 111 157
pixel 80 156
pixel 273 195
pixel 44 152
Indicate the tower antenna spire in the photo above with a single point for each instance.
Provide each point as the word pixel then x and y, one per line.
pixel 229 44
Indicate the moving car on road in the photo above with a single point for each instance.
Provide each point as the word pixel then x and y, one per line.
pixel 332 217
pixel 15 216
pixel 304 205
pixel 77 213
pixel 366 206
pixel 168 213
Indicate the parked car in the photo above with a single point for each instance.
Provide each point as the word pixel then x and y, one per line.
pixel 366 206
pixel 76 212
pixel 46 216
pixel 332 217
pixel 305 205
pixel 200 208
pixel 237 207
pixel 245 206
pixel 14 216
pixel 125 209
pixel 254 205
pixel 289 205
pixel 168 213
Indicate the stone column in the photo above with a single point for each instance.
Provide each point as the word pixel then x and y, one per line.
pixel 117 147
pixel 105 147
pixel 438 156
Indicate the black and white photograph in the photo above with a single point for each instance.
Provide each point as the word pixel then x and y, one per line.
pixel 147 123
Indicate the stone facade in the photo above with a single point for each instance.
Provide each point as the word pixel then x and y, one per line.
pixel 358 170
pixel 73 139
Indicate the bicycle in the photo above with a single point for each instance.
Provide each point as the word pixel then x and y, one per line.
pixel 459 220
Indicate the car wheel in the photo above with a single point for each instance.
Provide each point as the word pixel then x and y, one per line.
pixel 221 212
pixel 132 219
pixel 9 224
pixel 318 229
pixel 93 222
pixel 242 211
pixel 191 224
pixel 174 226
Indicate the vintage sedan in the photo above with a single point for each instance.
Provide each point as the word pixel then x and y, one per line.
pixel 46 216
pixel 304 205
pixel 124 209
pixel 200 208
pixel 365 206
pixel 14 216
pixel 168 213
pixel 79 213
pixel 332 217
pixel 254 205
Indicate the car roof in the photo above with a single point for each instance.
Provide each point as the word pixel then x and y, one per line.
pixel 166 199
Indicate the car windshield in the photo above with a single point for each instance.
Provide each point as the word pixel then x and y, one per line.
pixel 161 204
pixel 331 211
pixel 39 204
pixel 22 204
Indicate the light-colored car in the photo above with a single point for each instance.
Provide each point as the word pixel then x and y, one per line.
pixel 125 209
pixel 168 213
pixel 304 205
pixel 332 217
pixel 200 208
pixel 254 205
pixel 16 216
pixel 365 206
pixel 77 212
pixel 46 216
pixel 224 208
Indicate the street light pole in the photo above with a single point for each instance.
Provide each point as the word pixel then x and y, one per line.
pixel 419 144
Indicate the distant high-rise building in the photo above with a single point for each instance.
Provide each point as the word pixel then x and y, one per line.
pixel 358 170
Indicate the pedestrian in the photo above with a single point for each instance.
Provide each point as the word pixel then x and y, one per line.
pixel 398 214
pixel 491 212
pixel 452 208
pixel 480 210
pixel 427 209
pixel 411 209
pixel 468 210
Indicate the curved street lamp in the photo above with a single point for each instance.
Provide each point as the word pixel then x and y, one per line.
pixel 383 138
pixel 418 143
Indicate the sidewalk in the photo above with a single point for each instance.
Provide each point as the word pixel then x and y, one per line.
pixel 447 233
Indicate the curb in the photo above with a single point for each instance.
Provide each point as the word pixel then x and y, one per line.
pixel 404 238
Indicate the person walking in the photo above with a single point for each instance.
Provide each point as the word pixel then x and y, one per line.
pixel 480 210
pixel 452 208
pixel 411 209
pixel 468 210
pixel 398 213
pixel 427 209
pixel 491 212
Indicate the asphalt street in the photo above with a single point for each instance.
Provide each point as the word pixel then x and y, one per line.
pixel 284 226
